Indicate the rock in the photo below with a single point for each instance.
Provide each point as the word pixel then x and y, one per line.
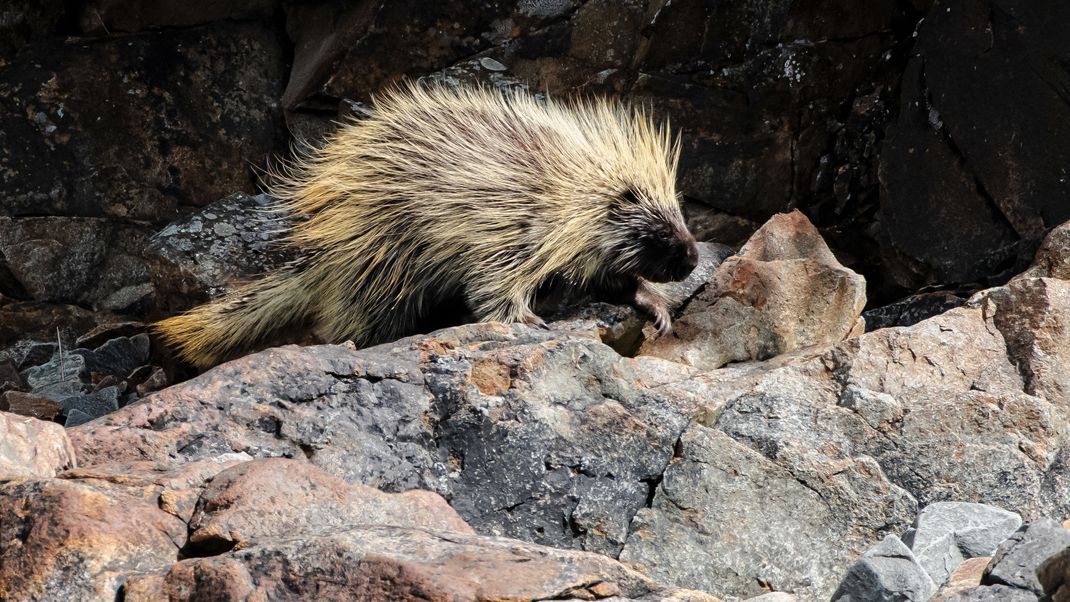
pixel 774 597
pixel 888 571
pixel 81 536
pixel 9 376
pixel 37 354
pixel 64 367
pixel 992 593
pixel 946 533
pixel 28 404
pixel 31 448
pixel 1033 314
pixel 1053 257
pixel 997 183
pixel 25 21
pixel 784 291
pixel 910 311
pixel 966 576
pixel 132 128
pixel 1017 558
pixel 76 260
pixel 95 404
pixel 25 325
pixel 103 17
pixel 275 498
pixel 155 380
pixel 103 333
pixel 202 255
pixel 119 356
pixel 76 417
pixel 1054 576
pixel 709 224
pixel 719 492
pixel 529 433
pixel 394 563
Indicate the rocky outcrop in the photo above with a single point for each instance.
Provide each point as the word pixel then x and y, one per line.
pixel 783 291
pixel 32 448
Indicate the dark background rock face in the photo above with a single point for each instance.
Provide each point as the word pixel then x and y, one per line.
pixel 927 140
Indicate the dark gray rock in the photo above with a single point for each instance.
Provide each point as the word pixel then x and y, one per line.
pixel 119 356
pixel 946 533
pixel 63 367
pixel 1016 561
pixel 37 354
pixel 910 311
pixel 135 127
pixel 87 261
pixel 973 173
pixel 202 255
pixel 95 404
pixel 76 417
pixel 887 572
pixel 529 433
pixel 992 593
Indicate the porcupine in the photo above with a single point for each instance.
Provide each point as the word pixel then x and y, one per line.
pixel 445 192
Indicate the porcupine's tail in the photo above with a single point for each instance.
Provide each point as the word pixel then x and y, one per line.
pixel 239 321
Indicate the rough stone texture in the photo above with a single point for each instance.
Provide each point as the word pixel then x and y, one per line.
pixel 24 325
pixel 783 291
pixel 77 539
pixel 1053 257
pixel 719 492
pixel 31 448
pixel 1054 576
pixel 982 128
pixel 910 311
pixel 134 127
pixel 532 434
pixel 397 563
pixel 203 255
pixel 103 17
pixel 966 576
pixel 23 21
pixel 28 404
pixel 1017 558
pixel 1034 316
pixel 992 593
pixel 87 261
pixel 886 572
pixel 930 413
pixel 946 533
pixel 274 498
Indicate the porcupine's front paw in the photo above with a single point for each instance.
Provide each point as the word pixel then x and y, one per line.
pixel 533 320
pixel 648 299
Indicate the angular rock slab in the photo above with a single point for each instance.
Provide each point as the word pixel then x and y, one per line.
pixel 887 571
pixel 870 428
pixel 1034 316
pixel 725 519
pixel 946 533
pixel 207 253
pixel 32 448
pixel 78 539
pixel 1016 561
pixel 397 563
pixel 532 434
pixel 783 291
pixel 276 497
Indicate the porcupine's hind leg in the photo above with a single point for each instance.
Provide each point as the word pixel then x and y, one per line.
pixel 493 303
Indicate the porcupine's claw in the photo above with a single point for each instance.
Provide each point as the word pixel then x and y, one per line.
pixel 663 323
pixel 536 321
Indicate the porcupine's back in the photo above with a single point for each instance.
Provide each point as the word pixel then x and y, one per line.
pixel 441 188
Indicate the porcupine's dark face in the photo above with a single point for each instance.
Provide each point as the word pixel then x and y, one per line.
pixel 656 244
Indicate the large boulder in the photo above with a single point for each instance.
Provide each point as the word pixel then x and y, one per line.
pixel 972 172
pixel 32 448
pixel 782 292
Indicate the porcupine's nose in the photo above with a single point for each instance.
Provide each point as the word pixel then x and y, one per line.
pixel 686 254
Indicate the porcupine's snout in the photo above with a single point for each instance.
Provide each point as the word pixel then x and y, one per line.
pixel 685 256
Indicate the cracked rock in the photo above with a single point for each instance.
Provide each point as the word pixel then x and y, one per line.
pixel 887 572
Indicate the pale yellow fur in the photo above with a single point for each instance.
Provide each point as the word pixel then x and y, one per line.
pixel 443 190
